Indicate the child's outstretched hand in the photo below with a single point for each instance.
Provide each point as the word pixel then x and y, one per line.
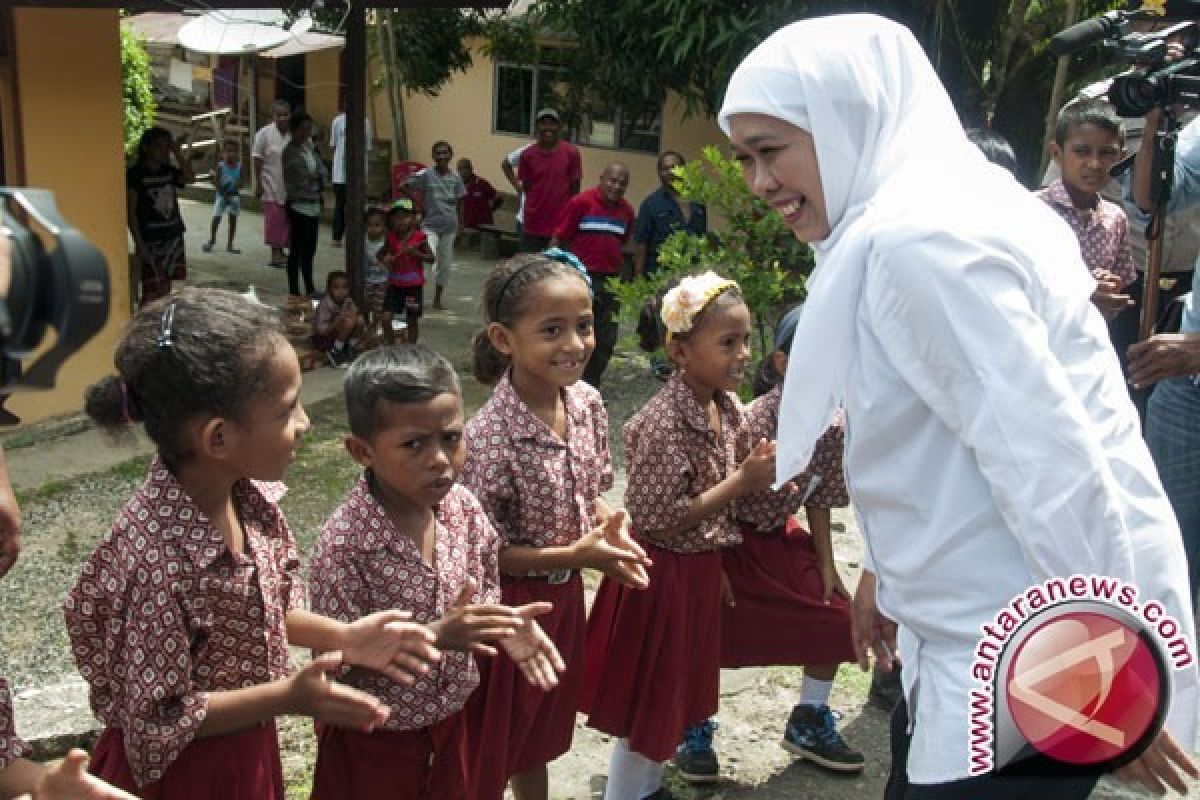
pixel 610 549
pixel 311 692
pixel 757 472
pixel 69 780
pixel 468 626
pixel 389 642
pixel 532 650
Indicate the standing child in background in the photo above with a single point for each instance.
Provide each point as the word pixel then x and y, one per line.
pixel 785 602
pixel 376 262
pixel 687 466
pixel 1087 143
pixel 152 211
pixel 410 252
pixel 337 328
pixel 481 198
pixel 227 180
pixel 407 535
pixel 537 459
pixel 180 621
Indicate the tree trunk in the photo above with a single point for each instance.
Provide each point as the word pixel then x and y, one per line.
pixel 1060 85
pixel 1004 53
pixel 387 50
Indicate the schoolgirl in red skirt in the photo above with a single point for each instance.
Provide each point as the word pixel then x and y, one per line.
pixel 652 665
pixel 409 536
pixel 786 604
pixel 538 459
pixel 180 620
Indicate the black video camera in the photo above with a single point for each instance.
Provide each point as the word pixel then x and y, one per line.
pixel 58 279
pixel 1153 81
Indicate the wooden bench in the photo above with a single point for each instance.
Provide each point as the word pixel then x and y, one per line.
pixel 497 241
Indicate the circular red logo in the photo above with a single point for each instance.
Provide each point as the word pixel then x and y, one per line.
pixel 1085 687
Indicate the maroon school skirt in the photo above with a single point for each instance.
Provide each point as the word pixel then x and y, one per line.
pixel 238 766
pixel 778 616
pixel 512 726
pixel 652 666
pixel 425 764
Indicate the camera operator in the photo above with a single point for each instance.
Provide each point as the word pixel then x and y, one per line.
pixel 18 775
pixel 1170 362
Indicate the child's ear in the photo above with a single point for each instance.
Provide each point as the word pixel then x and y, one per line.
pixel 360 450
pixel 675 352
pixel 214 437
pixel 500 337
pixel 779 362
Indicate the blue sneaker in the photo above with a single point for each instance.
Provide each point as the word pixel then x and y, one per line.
pixel 812 734
pixel 695 758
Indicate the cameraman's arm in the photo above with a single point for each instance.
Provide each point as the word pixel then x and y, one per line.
pixel 1185 189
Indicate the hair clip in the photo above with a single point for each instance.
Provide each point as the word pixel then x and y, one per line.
pixel 570 259
pixel 164 326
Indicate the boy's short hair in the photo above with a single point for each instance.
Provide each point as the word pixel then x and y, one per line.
pixel 1088 112
pixel 403 373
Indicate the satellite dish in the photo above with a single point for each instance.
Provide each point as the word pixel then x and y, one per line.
pixel 240 31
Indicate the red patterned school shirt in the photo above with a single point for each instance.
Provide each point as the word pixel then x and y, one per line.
pixel 1103 232
pixel 822 485
pixel 11 746
pixel 362 564
pixel 164 613
pixel 539 490
pixel 673 455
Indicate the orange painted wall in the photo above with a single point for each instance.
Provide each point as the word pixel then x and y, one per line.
pixel 69 71
pixel 462 114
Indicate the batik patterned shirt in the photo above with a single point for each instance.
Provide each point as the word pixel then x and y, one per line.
pixel 539 490
pixel 362 564
pixel 673 455
pixel 1103 232
pixel 11 746
pixel 822 485
pixel 163 613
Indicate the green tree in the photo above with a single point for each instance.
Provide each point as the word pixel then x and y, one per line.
pixel 136 87
pixel 990 54
pixel 749 243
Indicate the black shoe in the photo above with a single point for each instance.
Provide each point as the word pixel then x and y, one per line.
pixel 695 758
pixel 812 734
pixel 886 689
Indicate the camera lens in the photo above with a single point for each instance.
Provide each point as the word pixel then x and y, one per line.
pixel 1134 95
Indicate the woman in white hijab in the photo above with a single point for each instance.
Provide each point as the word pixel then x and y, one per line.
pixel 991 444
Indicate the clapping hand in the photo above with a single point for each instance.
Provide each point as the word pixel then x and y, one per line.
pixel 532 651
pixel 388 641
pixel 610 549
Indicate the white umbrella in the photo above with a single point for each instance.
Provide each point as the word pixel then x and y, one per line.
pixel 240 31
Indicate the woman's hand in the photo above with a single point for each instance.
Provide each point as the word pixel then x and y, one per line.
pixel 872 632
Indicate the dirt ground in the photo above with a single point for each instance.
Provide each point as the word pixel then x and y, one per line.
pixel 73 500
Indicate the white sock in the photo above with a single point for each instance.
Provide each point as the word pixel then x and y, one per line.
pixel 815 692
pixel 631 776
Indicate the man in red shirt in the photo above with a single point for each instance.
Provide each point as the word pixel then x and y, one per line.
pixel 548 174
pixel 595 226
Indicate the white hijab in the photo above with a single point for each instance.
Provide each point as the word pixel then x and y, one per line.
pixel 892 156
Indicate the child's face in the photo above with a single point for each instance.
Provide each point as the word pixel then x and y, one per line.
pixel 714 355
pixel 262 444
pixel 417 451
pixel 551 342
pixel 402 221
pixel 231 155
pixel 339 289
pixel 1086 156
pixel 375 226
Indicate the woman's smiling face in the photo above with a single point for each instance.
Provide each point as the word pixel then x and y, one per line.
pixel 779 162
